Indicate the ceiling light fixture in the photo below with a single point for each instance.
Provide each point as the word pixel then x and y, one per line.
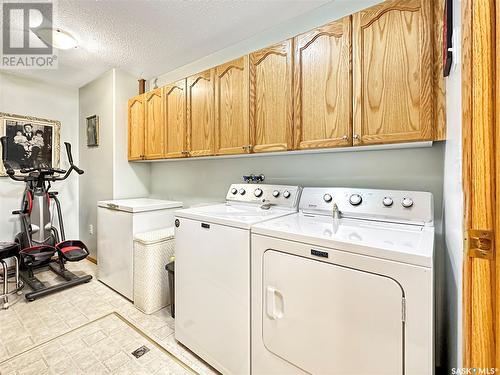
pixel 60 39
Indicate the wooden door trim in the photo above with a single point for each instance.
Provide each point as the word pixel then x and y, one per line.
pixel 284 49
pixel 480 172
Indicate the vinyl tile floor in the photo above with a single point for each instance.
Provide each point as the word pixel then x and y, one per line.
pixel 29 327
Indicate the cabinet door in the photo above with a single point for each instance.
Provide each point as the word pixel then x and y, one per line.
pixel 231 108
pixel 323 86
pixel 393 73
pixel 271 102
pixel 136 128
pixel 154 125
pixel 200 114
pixel 174 101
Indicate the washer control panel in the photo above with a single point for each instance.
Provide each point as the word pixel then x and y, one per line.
pixel 275 195
pixel 385 205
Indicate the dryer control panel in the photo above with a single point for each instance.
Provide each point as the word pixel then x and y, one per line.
pixel 273 195
pixel 385 205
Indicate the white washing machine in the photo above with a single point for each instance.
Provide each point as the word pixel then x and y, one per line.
pixel 212 272
pixel 345 286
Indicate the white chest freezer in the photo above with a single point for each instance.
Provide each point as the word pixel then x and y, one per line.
pixel 117 223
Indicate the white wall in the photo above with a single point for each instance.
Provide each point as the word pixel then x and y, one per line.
pixel 108 174
pixel 317 17
pixel 453 202
pixel 23 96
pixel 130 180
pixel 96 98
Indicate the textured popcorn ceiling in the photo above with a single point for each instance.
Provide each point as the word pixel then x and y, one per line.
pixel 148 38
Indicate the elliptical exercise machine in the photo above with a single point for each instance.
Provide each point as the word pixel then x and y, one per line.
pixel 39 240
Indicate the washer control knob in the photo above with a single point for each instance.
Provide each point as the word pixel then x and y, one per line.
pixel 355 199
pixel 234 191
pixel 242 191
pixel 286 194
pixel 407 202
pixel 327 198
pixel 387 201
pixel 257 192
pixel 276 193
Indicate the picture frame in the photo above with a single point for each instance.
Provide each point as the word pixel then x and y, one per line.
pixel 92 131
pixel 31 142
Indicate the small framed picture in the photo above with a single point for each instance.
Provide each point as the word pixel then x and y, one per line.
pixel 93 131
pixel 31 142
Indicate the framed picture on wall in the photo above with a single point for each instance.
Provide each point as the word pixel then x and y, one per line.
pixel 31 142
pixel 93 131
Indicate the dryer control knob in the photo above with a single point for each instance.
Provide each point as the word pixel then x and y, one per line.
pixel 276 193
pixel 242 191
pixel 355 199
pixel 286 194
pixel 407 202
pixel 387 201
pixel 234 191
pixel 257 192
pixel 327 198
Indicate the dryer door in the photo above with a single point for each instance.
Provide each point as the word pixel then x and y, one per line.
pixel 328 319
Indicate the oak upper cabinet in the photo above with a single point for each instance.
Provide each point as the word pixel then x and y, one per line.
pixel 174 101
pixel 232 134
pixel 200 113
pixel 271 101
pixel 136 128
pixel 323 86
pixel 393 73
pixel 154 124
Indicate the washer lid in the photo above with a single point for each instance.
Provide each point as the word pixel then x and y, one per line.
pixel 233 215
pixel 412 244
pixel 139 204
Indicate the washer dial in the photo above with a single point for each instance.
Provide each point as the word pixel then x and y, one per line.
pixel 257 192
pixel 327 198
pixel 387 201
pixel 242 191
pixel 286 194
pixel 276 193
pixel 234 191
pixel 355 199
pixel 407 202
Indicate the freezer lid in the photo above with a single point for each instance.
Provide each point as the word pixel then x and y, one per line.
pixel 139 204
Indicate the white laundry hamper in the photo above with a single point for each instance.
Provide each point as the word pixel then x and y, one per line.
pixel 152 251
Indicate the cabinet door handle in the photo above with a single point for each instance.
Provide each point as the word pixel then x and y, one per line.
pixel 345 138
pixel 356 137
pixel 185 152
pixel 247 147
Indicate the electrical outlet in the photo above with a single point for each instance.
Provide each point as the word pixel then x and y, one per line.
pixel 91 229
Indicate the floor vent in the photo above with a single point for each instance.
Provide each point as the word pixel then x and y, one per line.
pixel 137 353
